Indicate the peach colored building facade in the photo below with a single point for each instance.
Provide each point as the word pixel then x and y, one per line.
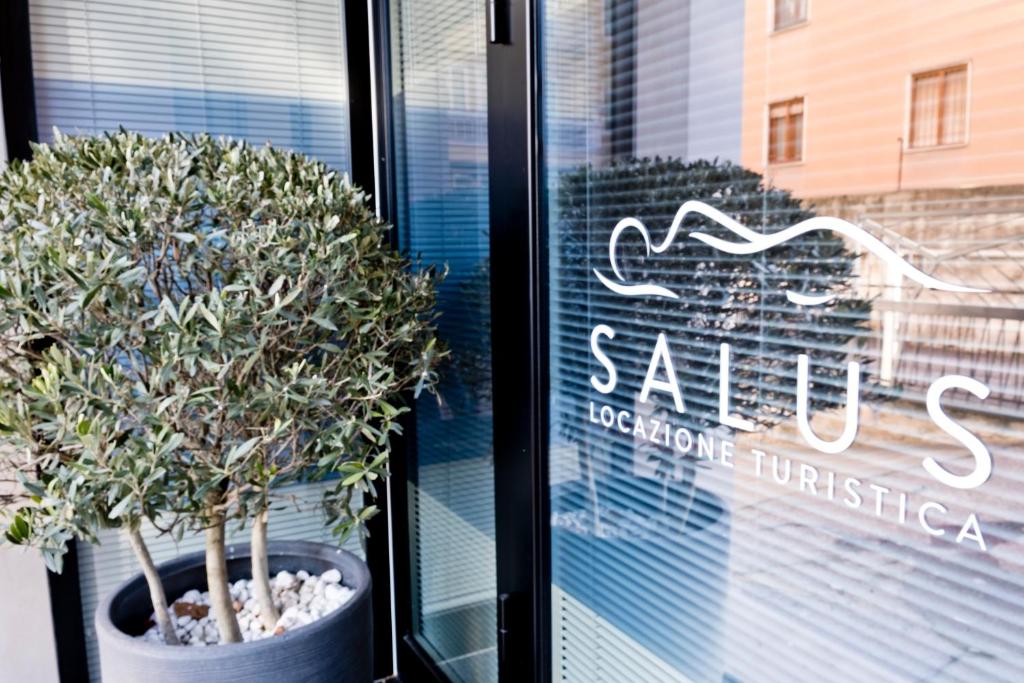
pixel 853 65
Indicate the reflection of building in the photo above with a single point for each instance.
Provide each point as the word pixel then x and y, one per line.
pixel 909 132
pixel 642 78
pixel 855 71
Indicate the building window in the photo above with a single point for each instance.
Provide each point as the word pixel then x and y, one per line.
pixel 938 108
pixel 789 13
pixel 786 131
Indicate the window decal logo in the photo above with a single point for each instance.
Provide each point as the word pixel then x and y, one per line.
pixel 683 439
pixel 755 242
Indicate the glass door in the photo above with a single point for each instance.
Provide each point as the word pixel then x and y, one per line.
pixel 440 146
pixel 471 499
pixel 736 391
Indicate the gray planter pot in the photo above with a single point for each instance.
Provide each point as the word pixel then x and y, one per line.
pixel 337 648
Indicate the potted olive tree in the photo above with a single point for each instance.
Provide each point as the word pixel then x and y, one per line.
pixel 186 326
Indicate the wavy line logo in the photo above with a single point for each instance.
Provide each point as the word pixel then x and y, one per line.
pixel 753 243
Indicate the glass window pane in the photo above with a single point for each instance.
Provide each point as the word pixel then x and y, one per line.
pixel 787 401
pixel 777 141
pixel 954 110
pixel 785 131
pixel 440 114
pixel 274 73
pixel 797 136
pixel 925 125
pixel 789 12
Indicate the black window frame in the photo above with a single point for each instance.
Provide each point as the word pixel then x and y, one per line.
pixel 21 129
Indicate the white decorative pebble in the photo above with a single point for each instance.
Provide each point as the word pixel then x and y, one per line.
pixel 301 598
pixel 333 592
pixel 284 580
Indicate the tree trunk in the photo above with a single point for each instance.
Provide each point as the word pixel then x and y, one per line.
pixel 156 588
pixel 261 572
pixel 217 581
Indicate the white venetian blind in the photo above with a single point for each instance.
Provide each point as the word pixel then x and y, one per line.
pixel 267 70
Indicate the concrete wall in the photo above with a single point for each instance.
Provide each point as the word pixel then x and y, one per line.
pixel 27 648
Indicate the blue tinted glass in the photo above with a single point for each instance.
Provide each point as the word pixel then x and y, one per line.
pixel 440 97
pixel 263 72
pixel 787 390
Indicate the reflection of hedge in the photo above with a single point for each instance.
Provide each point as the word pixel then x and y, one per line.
pixel 723 298
pixel 471 361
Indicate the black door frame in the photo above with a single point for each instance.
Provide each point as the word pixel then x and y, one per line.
pixel 519 331
pixel 519 349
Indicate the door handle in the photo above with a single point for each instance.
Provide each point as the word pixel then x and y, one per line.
pixel 498 22
pixel 504 624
